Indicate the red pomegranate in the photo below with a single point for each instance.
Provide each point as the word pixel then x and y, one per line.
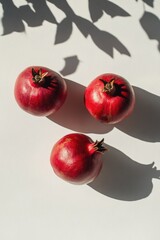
pixel 76 158
pixel 40 91
pixel 109 98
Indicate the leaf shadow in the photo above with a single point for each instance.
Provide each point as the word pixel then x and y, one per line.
pixel 70 65
pixel 73 114
pixel 124 179
pixel 151 25
pixel 98 7
pixel 104 40
pixel 13 16
pixel 40 14
pixel 143 123
pixel 11 19
pixel 148 2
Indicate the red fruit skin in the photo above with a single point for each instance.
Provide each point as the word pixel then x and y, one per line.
pixel 106 107
pixel 40 99
pixel 74 159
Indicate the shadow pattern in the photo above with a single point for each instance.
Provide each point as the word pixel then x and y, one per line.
pixel 14 17
pixel 34 13
pixel 105 41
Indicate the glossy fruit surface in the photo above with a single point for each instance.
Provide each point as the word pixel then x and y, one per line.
pixel 76 158
pixel 109 98
pixel 40 91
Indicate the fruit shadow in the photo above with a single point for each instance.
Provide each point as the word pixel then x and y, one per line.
pixel 144 122
pixel 124 179
pixel 73 114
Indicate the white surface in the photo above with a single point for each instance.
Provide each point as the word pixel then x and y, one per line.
pixel 123 203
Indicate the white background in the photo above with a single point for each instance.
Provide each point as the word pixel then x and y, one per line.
pixel 124 201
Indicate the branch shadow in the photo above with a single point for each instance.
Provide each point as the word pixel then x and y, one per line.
pixel 14 17
pixel 73 114
pixel 124 179
pixel 144 122
pixel 104 40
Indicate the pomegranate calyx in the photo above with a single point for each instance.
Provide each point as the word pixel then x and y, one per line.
pixel 109 87
pixel 98 146
pixel 38 77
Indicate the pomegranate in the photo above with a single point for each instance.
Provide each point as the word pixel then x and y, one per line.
pixel 75 158
pixel 40 91
pixel 109 98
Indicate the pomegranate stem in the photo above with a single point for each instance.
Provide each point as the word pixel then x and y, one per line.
pixel 38 77
pixel 109 87
pixel 98 146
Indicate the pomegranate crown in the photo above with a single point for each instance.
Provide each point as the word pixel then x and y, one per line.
pixel 38 76
pixel 99 147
